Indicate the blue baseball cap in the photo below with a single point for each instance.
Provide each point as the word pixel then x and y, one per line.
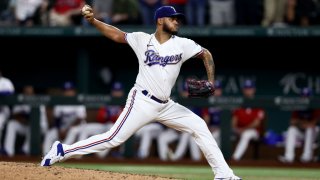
pixel 117 86
pixel 217 84
pixel 306 92
pixel 248 83
pixel 68 85
pixel 167 11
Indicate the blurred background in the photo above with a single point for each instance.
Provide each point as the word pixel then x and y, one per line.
pixel 265 54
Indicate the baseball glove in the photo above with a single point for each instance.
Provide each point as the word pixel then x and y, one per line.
pixel 200 88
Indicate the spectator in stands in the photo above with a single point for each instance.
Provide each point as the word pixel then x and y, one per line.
pixel 195 12
pixel 147 9
pixel 247 122
pixel 3 5
pixel 68 122
pixel 66 12
pixel 102 10
pixel 6 88
pixel 28 13
pixel 300 12
pixel 106 117
pixel 249 12
pixel 6 13
pixel 290 14
pixel 20 124
pixel 179 5
pixel 303 125
pixel 125 12
pixel 274 13
pixel 222 12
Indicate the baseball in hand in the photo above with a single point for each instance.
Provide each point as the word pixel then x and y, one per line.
pixel 85 9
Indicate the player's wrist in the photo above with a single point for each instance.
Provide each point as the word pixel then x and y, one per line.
pixel 92 21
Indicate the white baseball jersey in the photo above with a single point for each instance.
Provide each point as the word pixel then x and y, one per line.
pixel 159 64
pixel 23 108
pixel 69 113
pixel 6 85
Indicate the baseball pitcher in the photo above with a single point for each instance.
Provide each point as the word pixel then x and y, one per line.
pixel 160 57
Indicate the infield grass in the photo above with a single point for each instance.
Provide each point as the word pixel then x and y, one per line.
pixel 204 172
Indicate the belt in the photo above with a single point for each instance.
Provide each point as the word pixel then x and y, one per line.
pixel 146 93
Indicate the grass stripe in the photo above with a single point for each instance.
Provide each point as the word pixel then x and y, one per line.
pixel 204 172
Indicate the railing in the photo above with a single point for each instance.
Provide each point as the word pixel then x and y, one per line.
pixel 225 103
pixel 207 31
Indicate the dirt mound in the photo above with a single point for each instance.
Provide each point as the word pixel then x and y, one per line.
pixel 15 170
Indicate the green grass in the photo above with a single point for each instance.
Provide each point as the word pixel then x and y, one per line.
pixel 204 172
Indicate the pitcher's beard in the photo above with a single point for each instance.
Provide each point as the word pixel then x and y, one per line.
pixel 167 30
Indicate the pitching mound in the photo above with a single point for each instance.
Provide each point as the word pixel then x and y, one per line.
pixel 14 171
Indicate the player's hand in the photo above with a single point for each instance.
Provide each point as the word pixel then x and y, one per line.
pixel 87 12
pixel 200 88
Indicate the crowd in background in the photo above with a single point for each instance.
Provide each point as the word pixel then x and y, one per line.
pixel 266 13
pixel 70 123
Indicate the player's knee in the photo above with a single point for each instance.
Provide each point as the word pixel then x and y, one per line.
pixel 116 142
pixel 247 136
pixel 12 124
pixel 199 127
pixel 293 129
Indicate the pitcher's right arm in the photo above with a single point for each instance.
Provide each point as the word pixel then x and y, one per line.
pixel 107 30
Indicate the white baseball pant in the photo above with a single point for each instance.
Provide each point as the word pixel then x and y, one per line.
pixel 91 129
pixel 184 141
pixel 293 134
pixel 141 110
pixel 13 128
pixel 245 137
pixel 53 135
pixel 146 134
pixel 216 135
pixel 4 115
pixel 164 139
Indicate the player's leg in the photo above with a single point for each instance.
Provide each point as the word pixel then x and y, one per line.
pixel 26 143
pixel 4 114
pixel 146 135
pixel 309 138
pixel 181 118
pixel 216 135
pixel 13 128
pixel 164 139
pixel 194 149
pixel 145 142
pixel 73 133
pixel 216 17
pixel 132 118
pixel 290 143
pixel 245 137
pixel 181 146
pixel 51 136
pixel 91 129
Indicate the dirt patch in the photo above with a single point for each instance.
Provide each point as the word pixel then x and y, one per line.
pixel 14 170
